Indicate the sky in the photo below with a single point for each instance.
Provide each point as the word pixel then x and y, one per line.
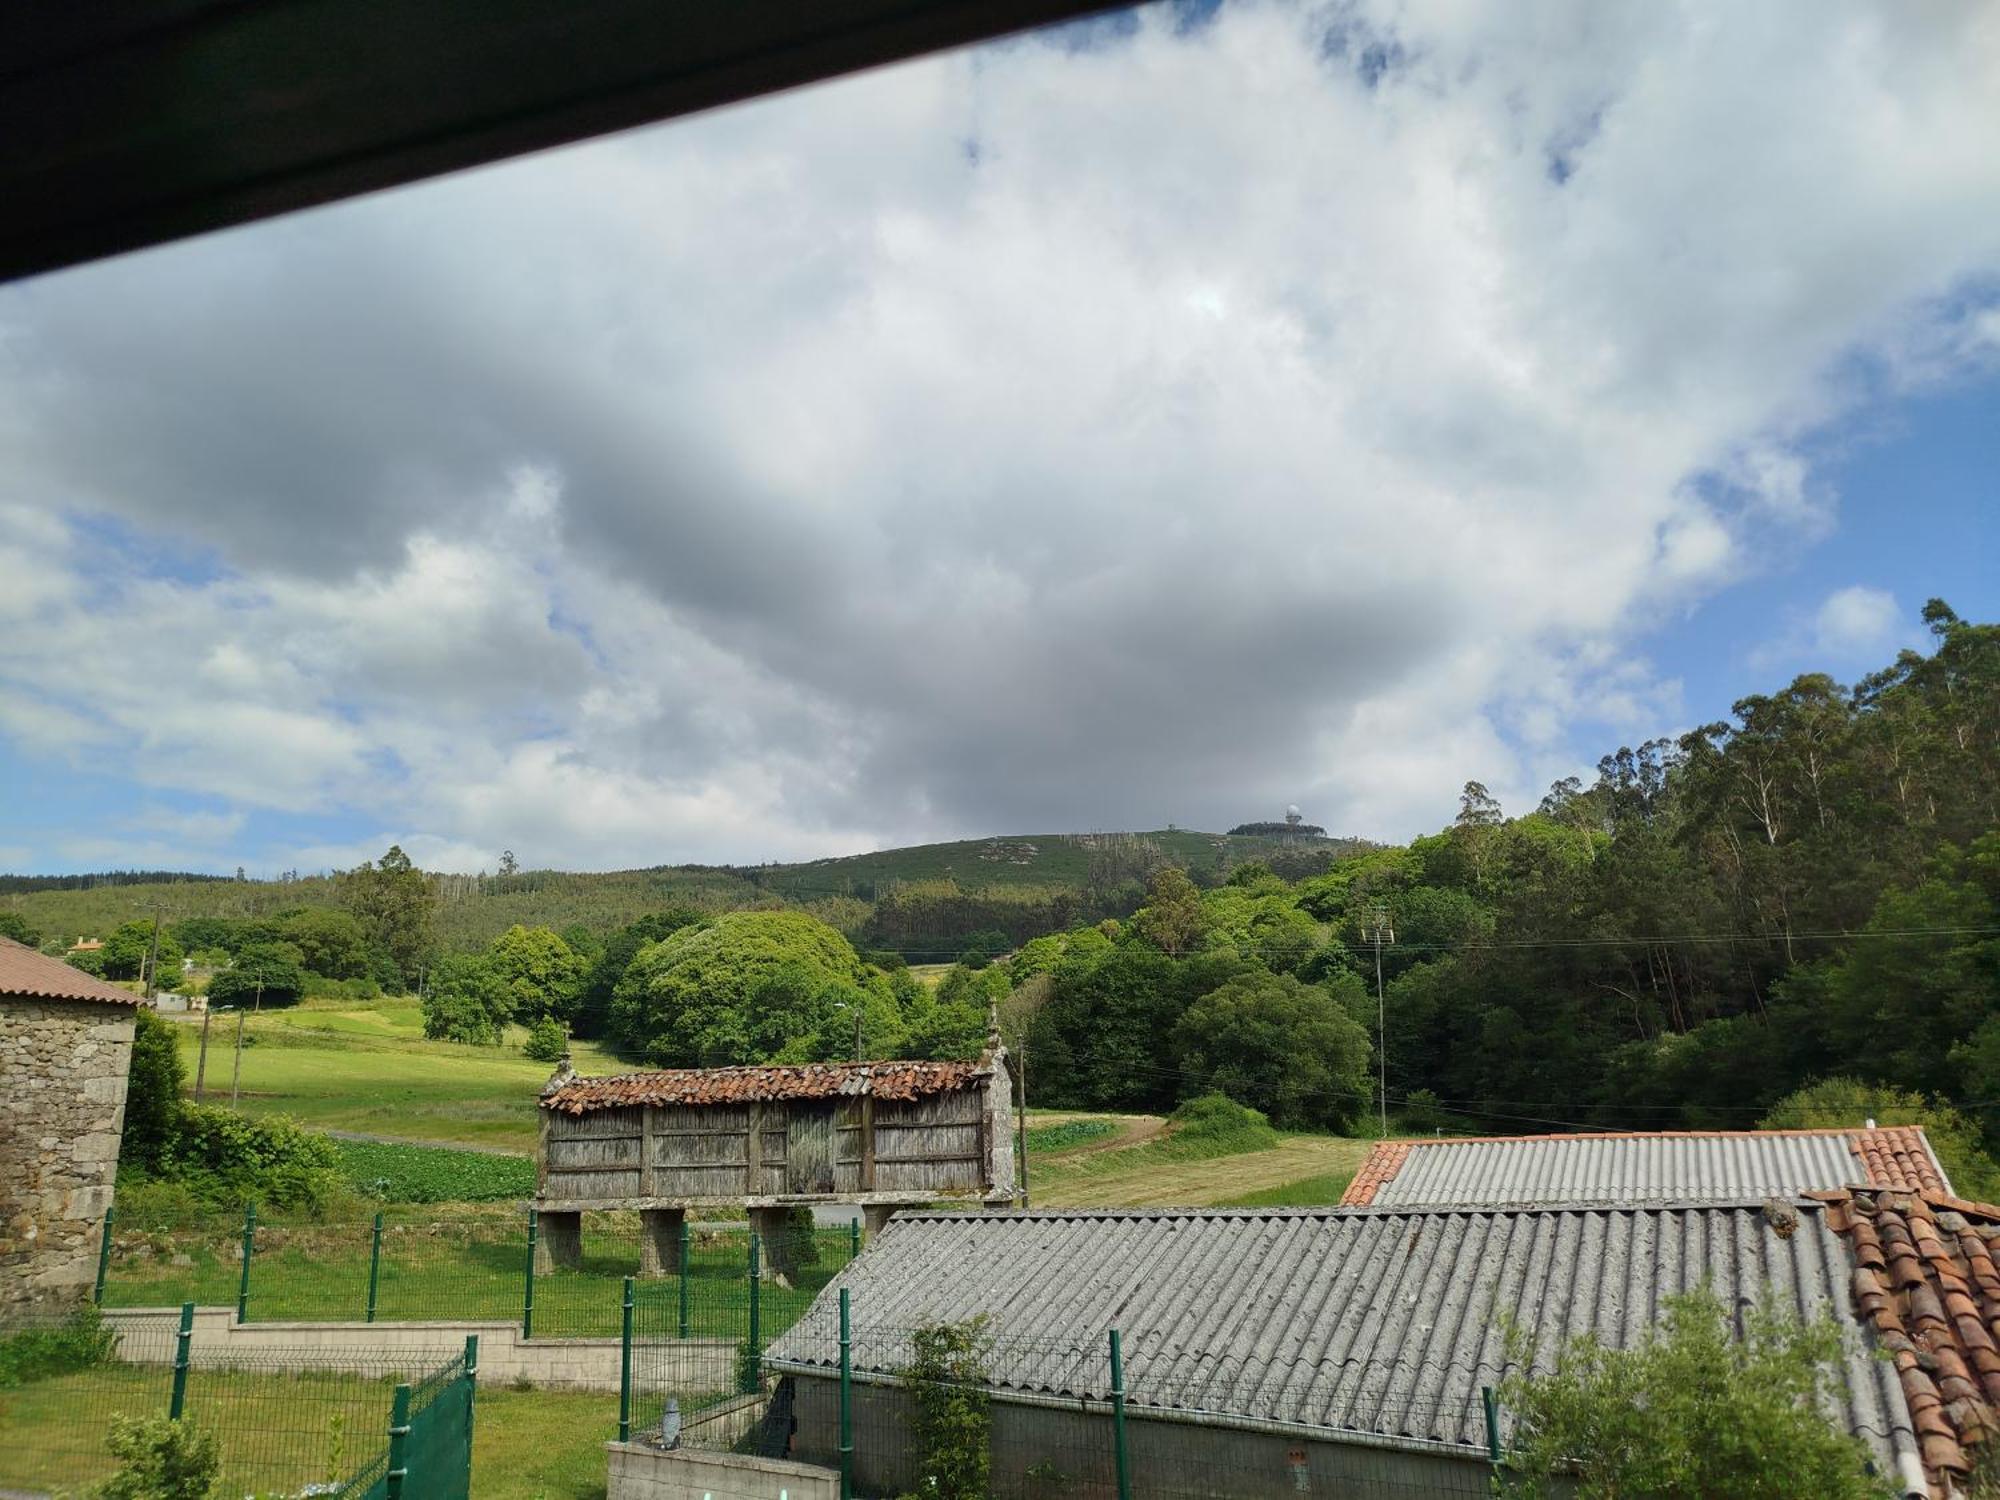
pixel 1167 419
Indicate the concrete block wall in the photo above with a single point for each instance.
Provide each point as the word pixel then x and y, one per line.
pixel 636 1472
pixel 62 1107
pixel 504 1356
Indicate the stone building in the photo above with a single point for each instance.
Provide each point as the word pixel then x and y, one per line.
pixel 65 1048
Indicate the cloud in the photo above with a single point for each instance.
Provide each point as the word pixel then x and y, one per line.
pixel 1852 627
pixel 1315 405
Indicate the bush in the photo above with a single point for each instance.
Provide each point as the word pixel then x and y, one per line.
pixel 547 1042
pixel 223 1158
pixel 79 1342
pixel 953 1427
pixel 152 1093
pixel 161 1459
pixel 1220 1126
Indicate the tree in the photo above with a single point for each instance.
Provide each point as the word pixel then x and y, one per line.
pixel 1849 1104
pixel 130 947
pixel 540 971
pixel 263 975
pixel 1172 919
pixel 508 864
pixel 19 928
pixel 600 982
pixel 1690 1411
pixel 1279 1046
pixel 152 1093
pixel 329 941
pixel 547 1041
pixel 396 908
pixel 686 1001
pixel 466 1001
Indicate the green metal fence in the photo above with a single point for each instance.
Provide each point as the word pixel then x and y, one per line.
pixel 400 1266
pixel 287 1421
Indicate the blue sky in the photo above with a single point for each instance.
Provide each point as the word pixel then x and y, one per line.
pixel 1255 416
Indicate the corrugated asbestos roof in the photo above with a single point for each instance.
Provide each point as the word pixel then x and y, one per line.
pixel 1373 1322
pixel 882 1080
pixel 1664 1167
pixel 26 974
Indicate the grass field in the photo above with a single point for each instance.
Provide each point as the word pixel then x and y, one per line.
pixel 281 1432
pixel 339 1065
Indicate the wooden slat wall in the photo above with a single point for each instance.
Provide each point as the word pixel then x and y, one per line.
pixel 932 1145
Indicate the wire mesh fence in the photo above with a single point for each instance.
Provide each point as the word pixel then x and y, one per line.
pixel 288 1421
pixel 411 1266
pixel 970 1411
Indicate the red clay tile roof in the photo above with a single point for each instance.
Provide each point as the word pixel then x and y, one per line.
pixel 882 1080
pixel 1925 1280
pixel 1890 1156
pixel 26 974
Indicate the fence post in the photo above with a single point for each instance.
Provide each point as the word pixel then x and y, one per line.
pixel 103 1257
pixel 687 1248
pixel 625 1369
pixel 249 1249
pixel 374 1266
pixel 1118 1419
pixel 181 1342
pixel 853 1238
pixel 1492 1404
pixel 749 1377
pixel 528 1297
pixel 846 1404
pixel 399 1434
pixel 471 1385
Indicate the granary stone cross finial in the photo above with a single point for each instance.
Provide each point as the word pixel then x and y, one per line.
pixel 992 1023
pixel 564 1072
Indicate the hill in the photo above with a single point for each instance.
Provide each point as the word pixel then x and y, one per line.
pixel 1022 884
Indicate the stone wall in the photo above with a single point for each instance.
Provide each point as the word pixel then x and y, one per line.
pixel 636 1472
pixel 62 1105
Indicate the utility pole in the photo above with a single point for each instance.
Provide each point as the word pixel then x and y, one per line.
pixel 153 957
pixel 1380 929
pixel 236 1074
pixel 201 1062
pixel 1021 1149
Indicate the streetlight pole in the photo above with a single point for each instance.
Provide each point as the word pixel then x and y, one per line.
pixel 1381 928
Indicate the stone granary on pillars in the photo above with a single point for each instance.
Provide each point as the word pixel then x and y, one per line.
pixel 885 1135
pixel 65 1050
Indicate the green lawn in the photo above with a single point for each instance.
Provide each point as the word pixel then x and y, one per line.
pixel 340 1065
pixel 473 1267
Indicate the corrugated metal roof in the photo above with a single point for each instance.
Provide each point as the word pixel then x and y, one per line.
pixel 26 974
pixel 1374 1322
pixel 1666 1167
pixel 882 1080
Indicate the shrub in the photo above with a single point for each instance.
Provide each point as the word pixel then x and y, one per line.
pixel 161 1459
pixel 1691 1411
pixel 547 1042
pixel 1220 1126
pixel 79 1342
pixel 946 1379
pixel 152 1093
pixel 222 1157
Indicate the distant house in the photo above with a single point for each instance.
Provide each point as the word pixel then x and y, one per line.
pixel 881 1134
pixel 1667 1166
pixel 65 1050
pixel 86 945
pixel 1344 1351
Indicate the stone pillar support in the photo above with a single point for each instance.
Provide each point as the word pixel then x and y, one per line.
pixel 876 1216
pixel 560 1243
pixel 774 1232
pixel 660 1241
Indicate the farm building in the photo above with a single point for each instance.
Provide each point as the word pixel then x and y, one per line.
pixel 65 1050
pixel 881 1134
pixel 1655 1167
pixel 1344 1351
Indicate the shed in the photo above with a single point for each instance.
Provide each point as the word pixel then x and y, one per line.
pixel 65 1050
pixel 773 1137
pixel 1661 1166
pixel 1337 1351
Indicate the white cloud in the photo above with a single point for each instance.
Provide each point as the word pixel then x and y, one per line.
pixel 1857 623
pixel 1041 438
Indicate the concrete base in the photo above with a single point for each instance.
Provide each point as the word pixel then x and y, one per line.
pixel 660 1241
pixel 875 1217
pixel 637 1472
pixel 559 1242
